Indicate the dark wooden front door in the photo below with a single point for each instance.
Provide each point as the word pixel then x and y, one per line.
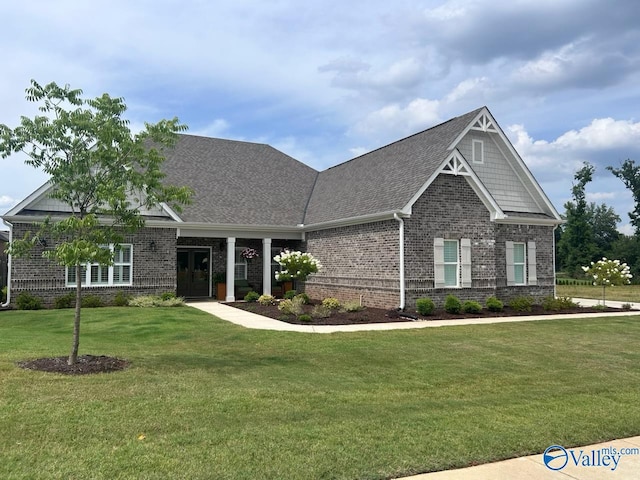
pixel 193 272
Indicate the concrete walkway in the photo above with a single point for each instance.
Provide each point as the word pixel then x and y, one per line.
pixel 252 320
pixel 625 467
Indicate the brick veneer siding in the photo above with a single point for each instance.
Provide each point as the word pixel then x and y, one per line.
pixel 154 271
pixel 358 260
pixel 364 259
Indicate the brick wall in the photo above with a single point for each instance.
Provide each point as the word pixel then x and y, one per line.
pixel 154 269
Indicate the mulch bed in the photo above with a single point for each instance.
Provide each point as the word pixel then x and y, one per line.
pixel 378 315
pixel 86 364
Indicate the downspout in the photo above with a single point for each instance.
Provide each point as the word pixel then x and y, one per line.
pixel 402 285
pixel 6 304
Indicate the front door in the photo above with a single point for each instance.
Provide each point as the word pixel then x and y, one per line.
pixel 193 272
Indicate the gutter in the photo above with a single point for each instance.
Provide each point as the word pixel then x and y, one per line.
pixel 402 281
pixel 4 305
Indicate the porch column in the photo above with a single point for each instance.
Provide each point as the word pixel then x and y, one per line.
pixel 231 267
pixel 266 266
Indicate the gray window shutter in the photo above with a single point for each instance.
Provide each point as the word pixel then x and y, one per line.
pixel 531 263
pixel 465 248
pixel 438 262
pixel 510 272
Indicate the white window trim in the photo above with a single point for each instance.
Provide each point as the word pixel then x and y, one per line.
pixel 456 263
pixel 474 142
pixel 242 263
pixel 530 271
pixel 110 283
pixel 523 264
pixel 463 265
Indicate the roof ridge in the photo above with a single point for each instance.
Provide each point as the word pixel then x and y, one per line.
pixel 204 137
pixel 309 197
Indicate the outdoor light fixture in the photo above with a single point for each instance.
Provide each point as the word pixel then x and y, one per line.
pixel 152 246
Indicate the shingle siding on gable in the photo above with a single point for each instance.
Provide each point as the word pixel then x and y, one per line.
pixel 357 260
pixel 497 175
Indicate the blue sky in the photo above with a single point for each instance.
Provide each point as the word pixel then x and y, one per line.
pixel 326 81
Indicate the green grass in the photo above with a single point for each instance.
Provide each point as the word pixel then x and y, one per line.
pixel 214 400
pixel 622 293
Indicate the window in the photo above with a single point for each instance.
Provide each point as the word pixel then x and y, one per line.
pixel 275 266
pixel 94 274
pixel 240 269
pixel 519 255
pixel 521 263
pixel 477 151
pixel 451 257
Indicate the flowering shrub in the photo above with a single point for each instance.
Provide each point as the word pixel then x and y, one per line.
pixel 296 265
pixel 249 253
pixel 608 273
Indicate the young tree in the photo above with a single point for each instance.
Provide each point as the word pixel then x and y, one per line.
pixel 98 168
pixel 629 173
pixel 576 245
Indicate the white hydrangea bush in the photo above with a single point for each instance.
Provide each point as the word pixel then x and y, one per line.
pixel 608 273
pixel 295 265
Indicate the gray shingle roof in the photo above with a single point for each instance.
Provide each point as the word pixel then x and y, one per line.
pixel 385 179
pixel 239 182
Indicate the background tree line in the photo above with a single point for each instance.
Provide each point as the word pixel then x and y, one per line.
pixel 590 230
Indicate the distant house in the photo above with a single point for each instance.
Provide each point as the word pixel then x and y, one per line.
pixel 450 210
pixel 4 240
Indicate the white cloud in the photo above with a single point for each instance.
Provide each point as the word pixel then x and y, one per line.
pixel 358 151
pixel 394 120
pixel 7 202
pixel 218 128
pixel 600 196
pixel 471 87
pixel 602 133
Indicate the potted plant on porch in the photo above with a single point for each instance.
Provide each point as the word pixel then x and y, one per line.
pixel 220 280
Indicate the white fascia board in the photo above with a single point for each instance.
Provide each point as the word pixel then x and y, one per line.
pixel 31 199
pixel 171 212
pixel 358 220
pixel 514 220
pixel 196 229
pixel 471 178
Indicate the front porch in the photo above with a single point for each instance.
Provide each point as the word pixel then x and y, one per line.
pixel 214 267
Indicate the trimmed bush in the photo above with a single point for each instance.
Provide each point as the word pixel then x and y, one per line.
pixel 304 318
pixel 289 294
pixel 251 297
pixel 558 304
pixel 167 296
pixel 521 304
pixel 26 301
pixel 471 306
pixel 626 306
pixel 320 311
pixel 65 301
pixel 425 306
pixel 291 307
pixel 91 301
pixel 494 305
pixel 121 299
pixel 452 304
pixel 352 306
pixel 146 301
pixel 331 303
pixel 304 297
pixel 266 300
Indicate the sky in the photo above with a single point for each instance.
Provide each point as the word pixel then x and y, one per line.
pixel 325 81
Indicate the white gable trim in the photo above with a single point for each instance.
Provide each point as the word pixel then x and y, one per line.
pixel 485 122
pixel 455 164
pixel 171 212
pixel 30 200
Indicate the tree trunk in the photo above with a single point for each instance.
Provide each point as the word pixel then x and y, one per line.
pixel 73 356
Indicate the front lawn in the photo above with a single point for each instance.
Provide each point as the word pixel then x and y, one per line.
pixel 207 399
pixel 622 293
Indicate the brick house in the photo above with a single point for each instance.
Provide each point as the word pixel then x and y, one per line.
pixel 452 209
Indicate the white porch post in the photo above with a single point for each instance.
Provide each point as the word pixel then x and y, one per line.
pixel 266 266
pixel 231 266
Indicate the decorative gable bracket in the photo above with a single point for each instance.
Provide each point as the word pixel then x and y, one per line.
pixel 455 166
pixel 484 124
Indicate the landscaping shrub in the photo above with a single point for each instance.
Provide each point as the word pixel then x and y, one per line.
pixel 471 306
pixel 266 300
pixel 452 304
pixel 167 296
pixel 155 301
pixel 65 301
pixel 320 311
pixel 494 305
pixel 121 299
pixel 289 294
pixel 425 306
pixel 304 318
pixel 3 294
pixel 352 306
pixel 331 303
pixel 26 301
pixel 557 304
pixel 626 306
pixel 304 297
pixel 251 297
pixel 91 301
pixel 291 307
pixel 521 304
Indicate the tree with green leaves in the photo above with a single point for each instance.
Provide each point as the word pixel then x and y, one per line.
pixel 603 220
pixel 629 173
pixel 98 168
pixel 576 245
